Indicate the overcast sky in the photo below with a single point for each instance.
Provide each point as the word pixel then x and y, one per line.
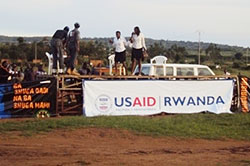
pixel 219 21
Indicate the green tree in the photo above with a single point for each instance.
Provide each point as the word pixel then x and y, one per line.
pixel 214 52
pixel 156 49
pixel 238 55
pixel 177 54
pixel 20 40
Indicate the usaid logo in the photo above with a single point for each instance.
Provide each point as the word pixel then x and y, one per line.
pixel 103 103
pixel 135 101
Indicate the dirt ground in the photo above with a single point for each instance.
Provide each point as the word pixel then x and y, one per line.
pixel 93 146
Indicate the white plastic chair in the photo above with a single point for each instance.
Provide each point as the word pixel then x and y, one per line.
pixel 50 59
pixel 160 60
pixel 111 59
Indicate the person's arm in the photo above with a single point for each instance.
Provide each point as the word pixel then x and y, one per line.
pixel 131 38
pixel 78 45
pixel 125 42
pixel 78 41
pixel 4 71
pixel 113 42
pixel 65 40
pixel 143 42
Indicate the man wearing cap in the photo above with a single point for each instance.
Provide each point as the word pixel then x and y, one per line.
pixel 58 43
pixel 73 48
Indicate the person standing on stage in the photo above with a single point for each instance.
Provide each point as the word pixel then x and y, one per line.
pixel 119 43
pixel 73 45
pixel 138 47
pixel 58 43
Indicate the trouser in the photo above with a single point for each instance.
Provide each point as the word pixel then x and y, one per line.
pixel 57 51
pixel 73 55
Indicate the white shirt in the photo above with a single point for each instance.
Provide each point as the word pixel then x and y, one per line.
pixel 138 41
pixel 119 44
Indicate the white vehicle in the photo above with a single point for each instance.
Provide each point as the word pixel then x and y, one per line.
pixel 154 69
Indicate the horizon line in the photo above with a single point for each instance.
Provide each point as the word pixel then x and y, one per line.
pixel 40 36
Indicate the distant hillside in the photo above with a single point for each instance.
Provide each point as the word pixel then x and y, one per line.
pixel 166 43
pixel 7 39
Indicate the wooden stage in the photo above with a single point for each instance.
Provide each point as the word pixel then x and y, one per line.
pixel 69 88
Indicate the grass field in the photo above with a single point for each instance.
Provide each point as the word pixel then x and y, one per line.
pixel 204 126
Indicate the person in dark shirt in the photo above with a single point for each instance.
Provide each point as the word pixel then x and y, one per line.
pixel 28 73
pixel 40 70
pixel 73 48
pixel 57 44
pixel 85 69
pixel 4 72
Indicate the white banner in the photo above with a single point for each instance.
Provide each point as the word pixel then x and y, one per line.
pixel 154 96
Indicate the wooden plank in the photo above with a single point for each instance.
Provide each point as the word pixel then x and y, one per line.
pixel 63 77
pixel 70 89
pixel 68 109
pixel 144 77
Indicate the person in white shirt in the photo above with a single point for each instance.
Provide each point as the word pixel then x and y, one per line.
pixel 119 43
pixel 138 47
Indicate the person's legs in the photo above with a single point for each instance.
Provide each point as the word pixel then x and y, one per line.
pixel 60 58
pixel 69 66
pixel 73 58
pixel 133 65
pixel 54 53
pixel 116 67
pixel 123 60
pixel 139 58
pixel 125 66
pixel 139 65
pixel 72 61
pixel 116 61
pixel 72 53
pixel 54 68
pixel 133 61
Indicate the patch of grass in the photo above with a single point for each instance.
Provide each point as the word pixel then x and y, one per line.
pixel 244 162
pixel 205 126
pixel 82 163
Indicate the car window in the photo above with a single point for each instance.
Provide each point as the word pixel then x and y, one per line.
pixel 204 72
pixel 159 70
pixel 169 71
pixel 185 71
pixel 145 70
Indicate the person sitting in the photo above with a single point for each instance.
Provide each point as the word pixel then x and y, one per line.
pixel 85 69
pixel 14 73
pixel 28 73
pixel 40 70
pixel 226 72
pixel 4 72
